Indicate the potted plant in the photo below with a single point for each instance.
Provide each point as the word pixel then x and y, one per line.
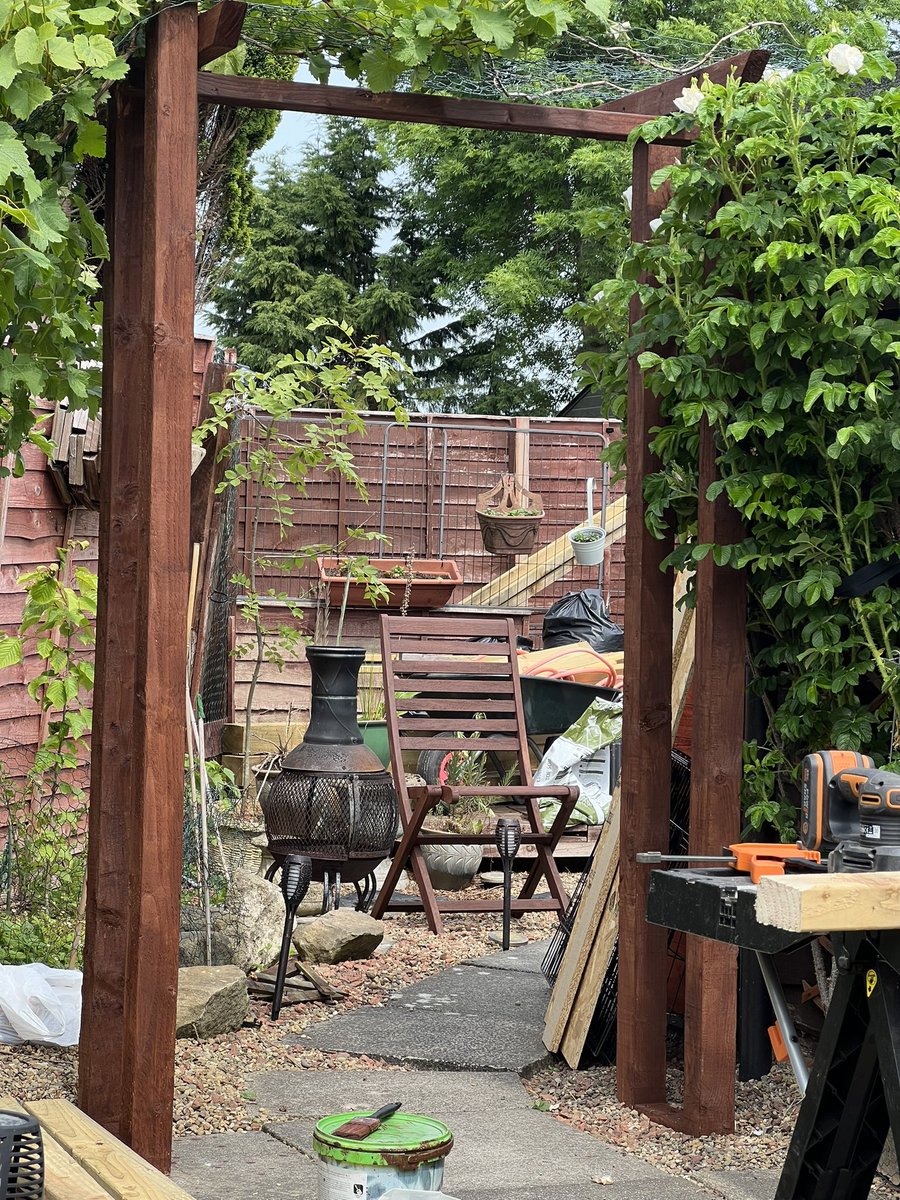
pixel 371 712
pixel 510 517
pixel 453 866
pixel 429 582
pixel 588 545
pixel 272 459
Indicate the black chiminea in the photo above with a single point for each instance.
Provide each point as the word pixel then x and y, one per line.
pixel 333 802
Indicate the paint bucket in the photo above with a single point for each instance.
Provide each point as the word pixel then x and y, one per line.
pixel 407 1152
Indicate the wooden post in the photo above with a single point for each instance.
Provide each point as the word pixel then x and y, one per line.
pixel 127 1080
pixel 711 967
pixel 646 728
pixel 106 917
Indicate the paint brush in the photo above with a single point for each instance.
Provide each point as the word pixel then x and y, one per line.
pixel 360 1127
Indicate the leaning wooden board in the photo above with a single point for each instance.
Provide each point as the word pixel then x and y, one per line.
pixel 82 1161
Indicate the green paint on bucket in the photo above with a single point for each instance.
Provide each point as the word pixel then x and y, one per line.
pixel 407 1151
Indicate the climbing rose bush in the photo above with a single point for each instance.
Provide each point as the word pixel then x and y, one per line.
pixel 774 289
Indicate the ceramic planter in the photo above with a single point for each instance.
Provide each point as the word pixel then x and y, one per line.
pixel 588 552
pixel 510 517
pixel 452 867
pixel 433 583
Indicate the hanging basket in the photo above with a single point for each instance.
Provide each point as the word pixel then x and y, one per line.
pixel 589 541
pixel 510 517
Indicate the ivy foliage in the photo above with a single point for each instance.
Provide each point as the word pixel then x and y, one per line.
pixel 57 59
pixel 779 319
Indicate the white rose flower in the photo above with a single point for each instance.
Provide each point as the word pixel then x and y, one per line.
pixel 626 196
pixel 689 100
pixel 655 224
pixel 776 74
pixel 845 59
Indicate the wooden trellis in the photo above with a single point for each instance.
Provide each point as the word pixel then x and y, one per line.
pixel 134 865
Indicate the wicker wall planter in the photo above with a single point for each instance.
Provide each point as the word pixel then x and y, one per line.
pixel 433 582
pixel 510 517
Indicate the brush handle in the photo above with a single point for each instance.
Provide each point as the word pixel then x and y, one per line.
pixel 386 1111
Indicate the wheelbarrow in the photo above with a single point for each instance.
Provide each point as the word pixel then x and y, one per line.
pixel 550 706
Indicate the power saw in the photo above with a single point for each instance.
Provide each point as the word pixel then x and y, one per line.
pixel 850 811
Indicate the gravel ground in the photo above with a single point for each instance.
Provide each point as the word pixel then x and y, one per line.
pixel 212 1090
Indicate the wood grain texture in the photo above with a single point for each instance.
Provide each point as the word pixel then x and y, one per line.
pixel 64 1179
pixel 118 1169
pixel 163 427
pixel 219 30
pixel 106 921
pixel 716 767
pixel 420 109
pixel 830 903
pixel 647 721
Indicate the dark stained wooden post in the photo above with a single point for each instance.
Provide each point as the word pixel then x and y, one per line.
pixel 106 920
pixel 710 967
pixel 646 729
pixel 129 1019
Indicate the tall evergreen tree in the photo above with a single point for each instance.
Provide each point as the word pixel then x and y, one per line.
pixel 315 252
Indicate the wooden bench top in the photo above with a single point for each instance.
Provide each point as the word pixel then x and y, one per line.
pixel 82 1161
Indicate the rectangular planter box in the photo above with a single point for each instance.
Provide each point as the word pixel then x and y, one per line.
pixel 433 591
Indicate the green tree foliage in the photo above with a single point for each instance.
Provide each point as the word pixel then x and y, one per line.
pixel 56 62
pixel 781 317
pixel 225 191
pixel 314 252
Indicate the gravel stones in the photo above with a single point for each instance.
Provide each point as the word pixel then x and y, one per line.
pixel 338 937
pixel 211 1001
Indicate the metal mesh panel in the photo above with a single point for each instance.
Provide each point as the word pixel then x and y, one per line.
pixel 222 597
pixel 334 817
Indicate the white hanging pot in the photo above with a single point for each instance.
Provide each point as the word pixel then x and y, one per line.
pixel 588 541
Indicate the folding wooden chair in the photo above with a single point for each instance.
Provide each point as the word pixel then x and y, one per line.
pixel 445 691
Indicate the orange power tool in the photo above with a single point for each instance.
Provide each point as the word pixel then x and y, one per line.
pixel 750 858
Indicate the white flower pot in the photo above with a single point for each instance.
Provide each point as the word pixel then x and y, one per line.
pixel 588 554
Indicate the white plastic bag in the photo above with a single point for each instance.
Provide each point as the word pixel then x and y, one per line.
pixel 39 1004
pixel 581 756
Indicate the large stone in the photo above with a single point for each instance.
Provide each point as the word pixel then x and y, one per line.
pixel 211 1001
pixel 338 936
pixel 192 949
pixel 253 920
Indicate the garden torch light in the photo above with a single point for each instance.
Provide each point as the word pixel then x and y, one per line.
pixel 21 1157
pixel 296 873
pixel 508 835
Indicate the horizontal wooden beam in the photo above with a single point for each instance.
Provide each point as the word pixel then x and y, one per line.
pixel 659 99
pixel 420 109
pixel 219 30
pixel 830 903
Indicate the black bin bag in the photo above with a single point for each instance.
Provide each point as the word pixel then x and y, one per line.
pixel 582 617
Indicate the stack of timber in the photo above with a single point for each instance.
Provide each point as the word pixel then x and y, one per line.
pixel 591 944
pixel 75 462
pixel 82 1161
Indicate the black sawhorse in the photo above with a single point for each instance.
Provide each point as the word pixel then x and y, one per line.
pixel 852 1102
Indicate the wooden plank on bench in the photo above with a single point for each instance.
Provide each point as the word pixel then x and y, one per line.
pixel 64 1179
pixel 124 1174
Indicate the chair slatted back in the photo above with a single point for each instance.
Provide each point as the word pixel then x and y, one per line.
pixel 439 682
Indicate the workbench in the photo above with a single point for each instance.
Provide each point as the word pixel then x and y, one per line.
pixel 852 1095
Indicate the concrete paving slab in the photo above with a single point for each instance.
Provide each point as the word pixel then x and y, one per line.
pixel 467 1017
pixel 503 1146
pixel 243 1166
pixel 525 958
pixel 741 1185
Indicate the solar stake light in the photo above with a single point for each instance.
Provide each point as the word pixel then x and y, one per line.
pixel 21 1157
pixel 508 837
pixel 296 873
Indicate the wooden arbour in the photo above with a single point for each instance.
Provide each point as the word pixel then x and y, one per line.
pixel 126 1069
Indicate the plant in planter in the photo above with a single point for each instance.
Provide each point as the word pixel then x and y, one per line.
pixel 510 517
pixel 271 458
pixel 453 866
pixel 408 582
